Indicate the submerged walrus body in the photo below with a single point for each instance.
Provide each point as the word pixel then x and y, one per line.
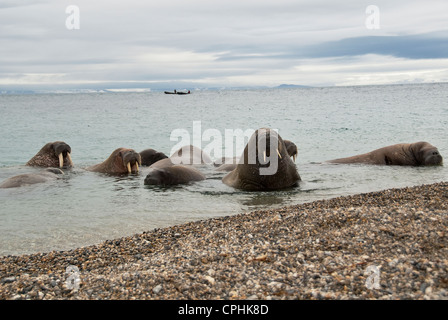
pixel 403 154
pixel 31 178
pixel 178 168
pixel 264 165
pixel 53 154
pixel 173 175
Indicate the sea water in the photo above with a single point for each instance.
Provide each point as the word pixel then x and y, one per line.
pixel 85 208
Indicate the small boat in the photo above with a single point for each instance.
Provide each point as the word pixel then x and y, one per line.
pixel 175 92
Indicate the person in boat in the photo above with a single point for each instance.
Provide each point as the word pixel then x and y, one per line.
pixel 188 91
pixel 175 91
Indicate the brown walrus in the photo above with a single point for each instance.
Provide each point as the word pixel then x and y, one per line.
pixel 53 154
pixel 150 156
pixel 291 148
pixel 172 175
pixel 403 154
pixel 254 172
pixel 121 161
pixel 31 178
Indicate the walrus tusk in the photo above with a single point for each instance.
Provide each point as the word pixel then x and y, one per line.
pixel 264 156
pixel 136 166
pixel 129 167
pixel 69 159
pixel 280 156
pixel 61 160
pixel 294 158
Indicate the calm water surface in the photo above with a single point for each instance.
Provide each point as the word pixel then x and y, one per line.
pixel 86 208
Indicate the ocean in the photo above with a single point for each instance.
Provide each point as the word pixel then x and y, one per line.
pixel 85 208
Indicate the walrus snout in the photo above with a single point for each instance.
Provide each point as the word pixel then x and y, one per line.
pixel 63 152
pixel 131 161
pixel 434 159
pixel 291 148
pixel 155 177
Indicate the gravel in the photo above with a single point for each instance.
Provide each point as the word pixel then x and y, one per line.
pixel 390 244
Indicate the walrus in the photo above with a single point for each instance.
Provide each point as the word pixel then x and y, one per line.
pixel 162 164
pixel 228 164
pixel 31 178
pixel 291 148
pixel 186 155
pixel 121 161
pixel 173 175
pixel 403 154
pixel 53 154
pixel 150 156
pixel 254 172
pixel 190 155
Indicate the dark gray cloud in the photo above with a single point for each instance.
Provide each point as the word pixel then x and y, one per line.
pixel 425 46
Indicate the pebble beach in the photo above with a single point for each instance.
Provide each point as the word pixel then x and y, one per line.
pixel 388 245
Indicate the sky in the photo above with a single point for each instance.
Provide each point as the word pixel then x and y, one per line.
pixel 214 43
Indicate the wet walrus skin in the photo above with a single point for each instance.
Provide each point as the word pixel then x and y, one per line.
pixel 404 154
pixel 186 155
pixel 151 156
pixel 173 175
pixel 53 154
pixel 121 161
pixel 31 178
pixel 229 164
pixel 247 174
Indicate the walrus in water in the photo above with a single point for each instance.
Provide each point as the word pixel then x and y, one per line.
pixel 173 175
pixel 186 155
pixel 190 155
pixel 121 161
pixel 264 165
pixel 229 164
pixel 403 154
pixel 150 156
pixel 53 154
pixel 291 148
pixel 31 178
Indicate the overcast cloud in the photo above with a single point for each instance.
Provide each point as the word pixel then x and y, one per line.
pixel 221 43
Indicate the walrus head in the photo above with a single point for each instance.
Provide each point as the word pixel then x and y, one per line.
pixel 150 156
pixel 53 154
pixel 127 161
pixel 264 165
pixel 291 148
pixel 426 154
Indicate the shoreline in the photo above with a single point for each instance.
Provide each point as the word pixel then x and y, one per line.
pixel 324 249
